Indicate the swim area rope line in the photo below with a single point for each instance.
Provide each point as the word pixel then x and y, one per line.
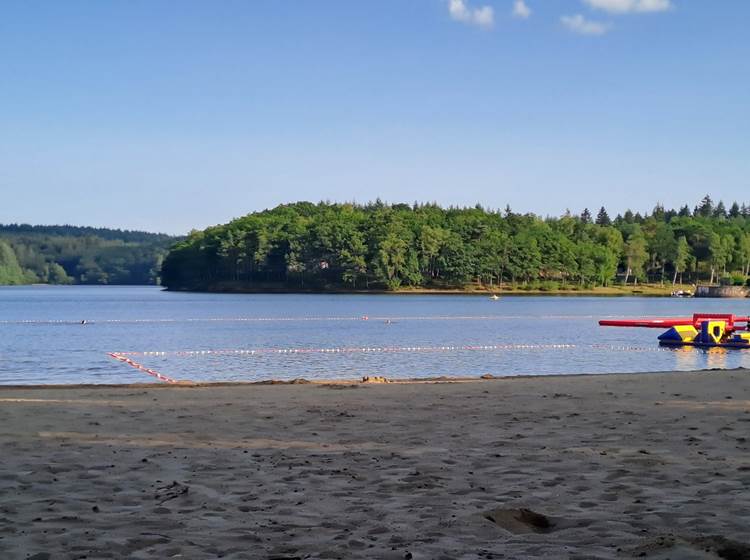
pixel 125 357
pixel 300 319
pixel 351 350
pixel 136 365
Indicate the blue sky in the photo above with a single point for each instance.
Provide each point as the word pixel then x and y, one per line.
pixel 168 116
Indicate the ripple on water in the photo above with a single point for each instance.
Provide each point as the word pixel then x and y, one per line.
pixel 74 353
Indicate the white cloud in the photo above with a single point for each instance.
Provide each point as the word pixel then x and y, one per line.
pixel 520 9
pixel 484 16
pixel 583 26
pixel 630 6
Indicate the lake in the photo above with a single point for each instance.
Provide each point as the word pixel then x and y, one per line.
pixel 239 337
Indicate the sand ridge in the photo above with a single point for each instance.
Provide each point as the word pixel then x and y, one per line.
pixel 615 466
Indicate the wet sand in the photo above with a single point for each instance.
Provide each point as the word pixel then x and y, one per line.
pixel 616 466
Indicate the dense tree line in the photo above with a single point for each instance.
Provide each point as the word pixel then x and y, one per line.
pixel 79 255
pixel 382 246
pixel 109 234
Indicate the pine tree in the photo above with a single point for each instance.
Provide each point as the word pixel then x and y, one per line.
pixel 602 218
pixel 720 211
pixel 586 216
pixel 705 208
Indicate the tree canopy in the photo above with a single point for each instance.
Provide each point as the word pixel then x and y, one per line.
pixel 79 255
pixel 388 246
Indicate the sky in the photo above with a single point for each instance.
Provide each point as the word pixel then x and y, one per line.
pixel 168 116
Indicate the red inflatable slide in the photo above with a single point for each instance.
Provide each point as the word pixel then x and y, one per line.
pixel 695 320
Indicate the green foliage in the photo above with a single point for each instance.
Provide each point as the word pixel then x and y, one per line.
pixel 681 258
pixel 10 270
pixel 636 253
pixel 57 275
pixel 337 246
pixel 68 255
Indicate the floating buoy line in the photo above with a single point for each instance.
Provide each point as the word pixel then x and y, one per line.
pixel 144 369
pixel 372 318
pixel 350 350
pixel 126 357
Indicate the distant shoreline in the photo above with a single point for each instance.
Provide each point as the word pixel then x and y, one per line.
pixel 646 290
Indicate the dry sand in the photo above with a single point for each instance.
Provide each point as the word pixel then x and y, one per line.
pixel 616 466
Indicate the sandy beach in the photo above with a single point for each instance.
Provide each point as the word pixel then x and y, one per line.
pixel 616 466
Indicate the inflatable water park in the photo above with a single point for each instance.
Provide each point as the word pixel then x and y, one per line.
pixel 706 330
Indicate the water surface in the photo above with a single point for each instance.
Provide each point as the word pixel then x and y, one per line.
pixel 42 339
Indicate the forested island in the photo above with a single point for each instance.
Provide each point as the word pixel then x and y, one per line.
pixel 80 255
pixel 377 246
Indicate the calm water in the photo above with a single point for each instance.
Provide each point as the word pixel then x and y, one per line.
pixel 43 341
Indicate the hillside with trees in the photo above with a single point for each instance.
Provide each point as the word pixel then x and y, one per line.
pixel 377 246
pixel 79 255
